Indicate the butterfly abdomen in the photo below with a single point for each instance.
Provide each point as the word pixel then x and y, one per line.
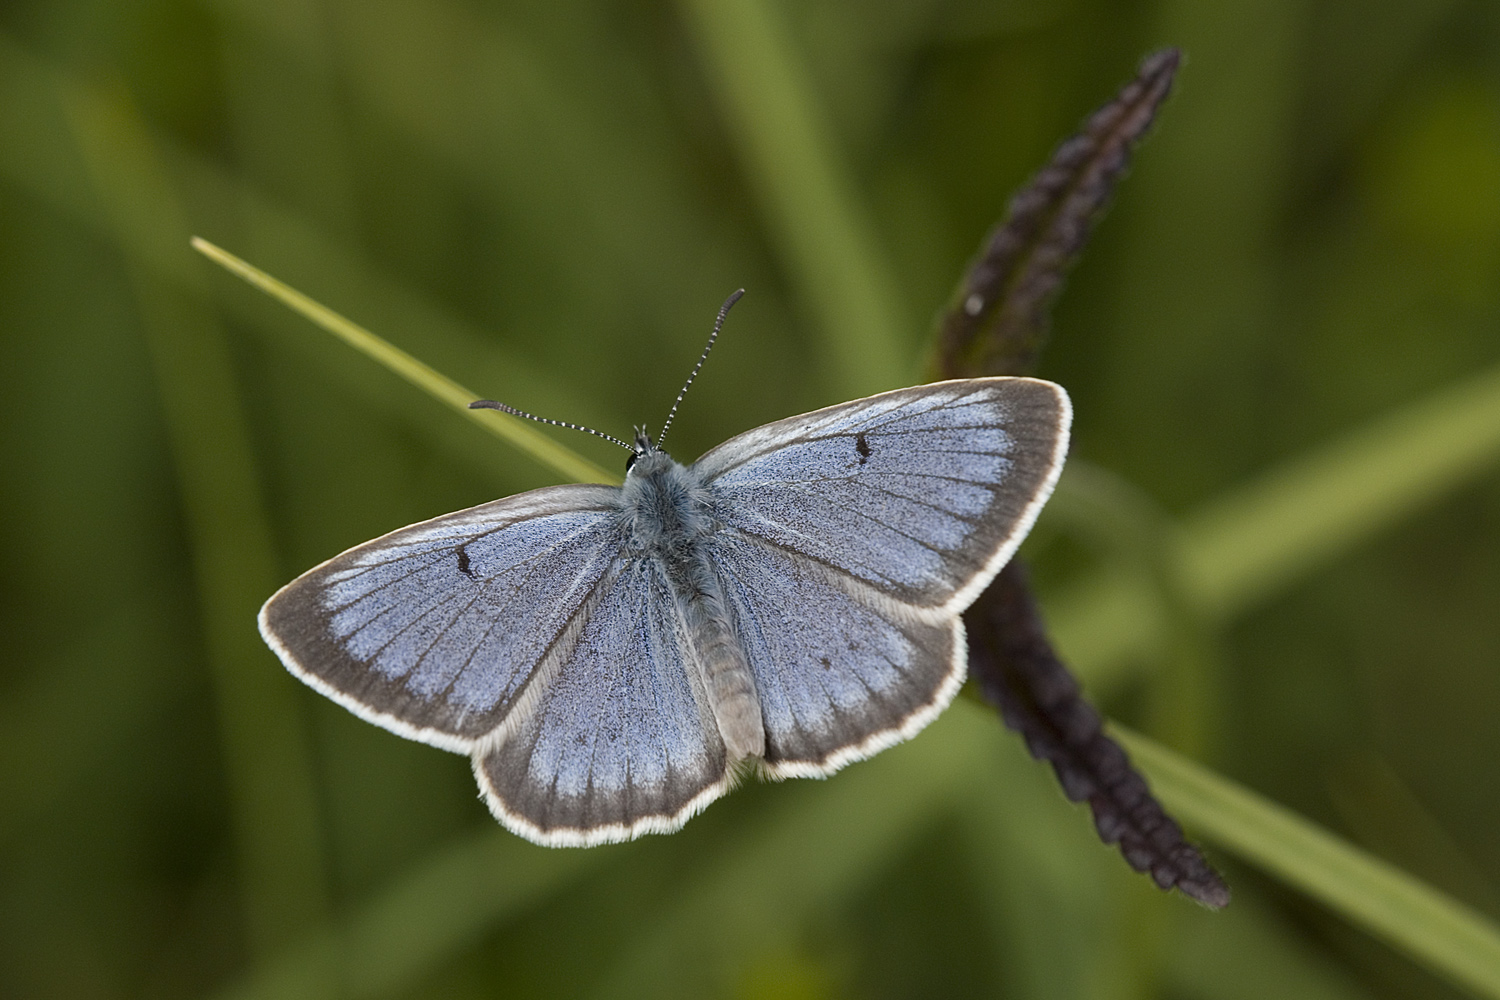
pixel 725 669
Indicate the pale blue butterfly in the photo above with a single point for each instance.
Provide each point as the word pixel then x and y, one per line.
pixel 612 658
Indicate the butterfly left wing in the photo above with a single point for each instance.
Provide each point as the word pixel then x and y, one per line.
pixel 619 740
pixel 435 631
pixel 519 632
pixel 855 536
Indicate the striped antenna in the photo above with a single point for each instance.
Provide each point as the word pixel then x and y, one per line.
pixel 490 404
pixel 718 325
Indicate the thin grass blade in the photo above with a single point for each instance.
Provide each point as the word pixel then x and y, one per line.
pixel 511 430
pixel 268 759
pixel 813 212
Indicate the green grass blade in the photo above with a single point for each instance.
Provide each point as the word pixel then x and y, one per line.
pixel 509 429
pixel 812 210
pixel 439 906
pixel 1295 518
pixel 1247 545
pixel 268 764
pixel 1441 933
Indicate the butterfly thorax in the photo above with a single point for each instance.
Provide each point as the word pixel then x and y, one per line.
pixel 666 506
pixel 667 513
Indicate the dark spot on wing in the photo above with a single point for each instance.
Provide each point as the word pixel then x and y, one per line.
pixel 862 446
pixel 463 564
pixel 827 664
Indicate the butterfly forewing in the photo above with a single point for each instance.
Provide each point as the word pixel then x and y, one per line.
pixel 923 493
pixel 435 630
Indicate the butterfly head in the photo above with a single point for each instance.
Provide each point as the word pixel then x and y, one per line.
pixel 643 446
pixel 645 449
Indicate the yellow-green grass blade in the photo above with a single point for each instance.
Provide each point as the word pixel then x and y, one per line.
pixel 512 430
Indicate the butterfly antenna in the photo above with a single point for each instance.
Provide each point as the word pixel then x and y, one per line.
pixel 490 404
pixel 718 325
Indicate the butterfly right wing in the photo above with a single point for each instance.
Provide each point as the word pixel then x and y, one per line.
pixel 921 493
pixel 853 537
pixel 435 631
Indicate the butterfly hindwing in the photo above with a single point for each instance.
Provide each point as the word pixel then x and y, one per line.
pixel 435 630
pixel 841 670
pixel 620 739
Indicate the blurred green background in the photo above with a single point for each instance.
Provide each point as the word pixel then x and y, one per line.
pixel 547 201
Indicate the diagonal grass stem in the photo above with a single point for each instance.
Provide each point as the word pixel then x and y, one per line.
pixel 512 430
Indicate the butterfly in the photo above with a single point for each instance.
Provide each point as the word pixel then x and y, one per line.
pixel 614 658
